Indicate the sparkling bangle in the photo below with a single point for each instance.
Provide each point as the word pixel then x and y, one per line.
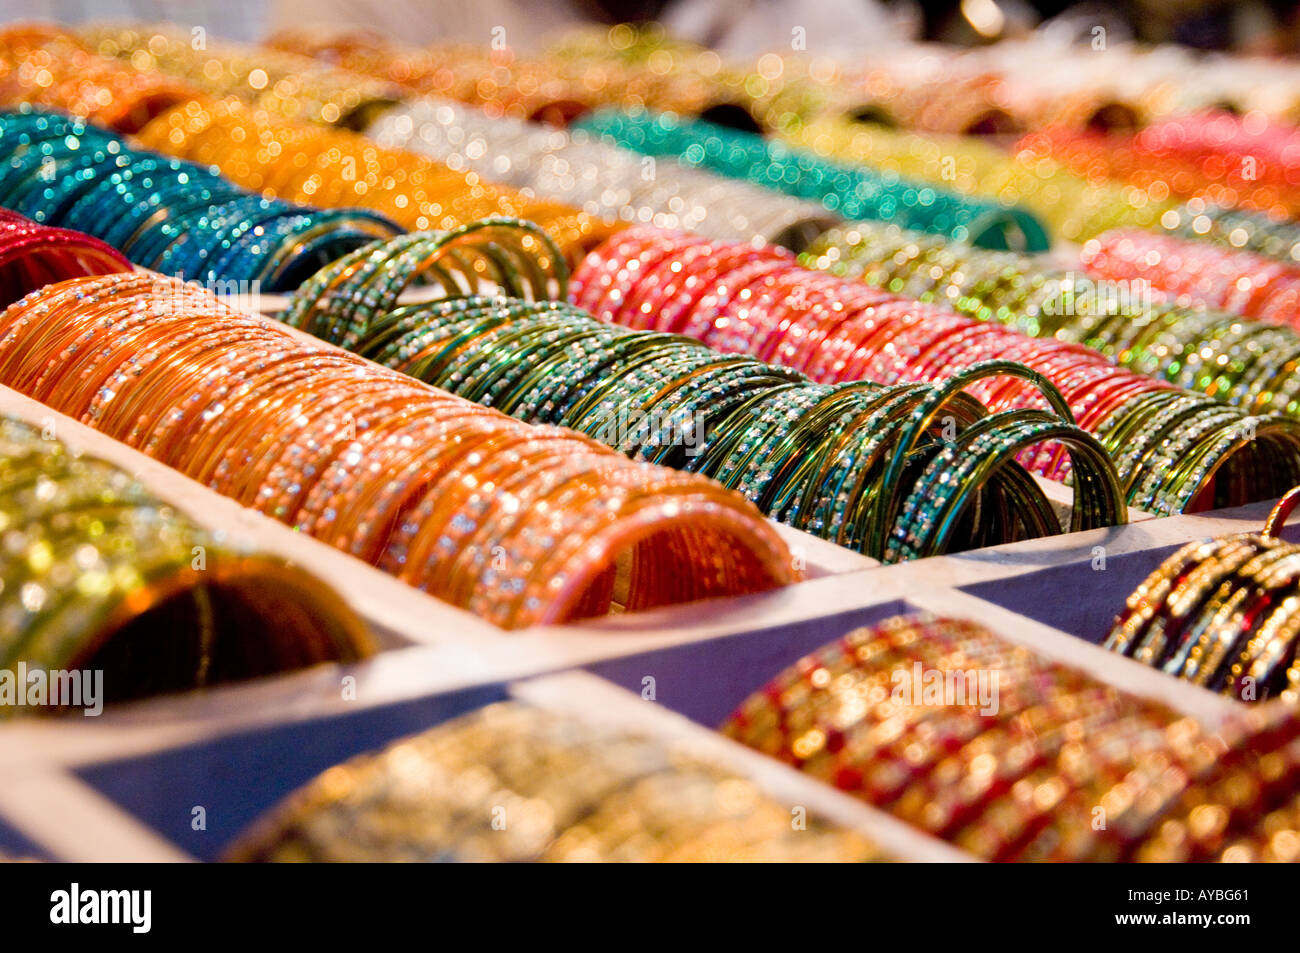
pixel 1244 362
pixel 1211 157
pixel 1014 770
pixel 605 795
pixel 600 178
pixel 1224 614
pixel 765 306
pixel 806 454
pixel 331 167
pixel 171 370
pixel 291 86
pixel 33 255
pixel 851 192
pixel 55 70
pixel 1275 237
pixel 1199 273
pixel 166 214
pixel 101 575
pixel 1074 208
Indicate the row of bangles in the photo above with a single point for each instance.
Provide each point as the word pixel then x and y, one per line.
pixel 526 346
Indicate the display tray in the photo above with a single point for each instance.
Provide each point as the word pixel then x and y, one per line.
pixel 124 786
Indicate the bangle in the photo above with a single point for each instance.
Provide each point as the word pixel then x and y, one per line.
pixel 763 304
pixel 290 85
pixel 1012 771
pixel 600 178
pixel 1073 207
pixel 102 575
pixel 1199 273
pixel 1213 157
pixel 850 192
pixel 1224 614
pixel 332 167
pixel 168 368
pixel 53 69
pixel 605 795
pixel 33 255
pixel 567 82
pixel 341 301
pixel 170 215
pixel 780 440
pixel 1243 362
pixel 1275 237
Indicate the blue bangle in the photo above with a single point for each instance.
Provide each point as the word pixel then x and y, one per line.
pixel 852 192
pixel 168 214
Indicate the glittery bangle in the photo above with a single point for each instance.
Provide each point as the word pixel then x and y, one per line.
pixel 644 393
pixel 170 215
pixel 100 574
pixel 158 363
pixel 764 305
pixel 848 192
pixel 607 795
pixel 1017 772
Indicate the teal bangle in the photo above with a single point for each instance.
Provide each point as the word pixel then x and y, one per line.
pixel 853 192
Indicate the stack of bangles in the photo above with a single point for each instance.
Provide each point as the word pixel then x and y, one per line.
pixel 1238 141
pixel 601 178
pixel 1175 451
pixel 1272 236
pixel 330 168
pixel 46 67
pixel 554 88
pixel 99 574
pixel 1073 207
pixel 1222 613
pixel 169 57
pixel 519 524
pixel 1248 363
pixel 895 472
pixel 165 214
pixel 571 790
pixel 1199 273
pixel 1012 758
pixel 33 256
pixel 1158 160
pixel 849 191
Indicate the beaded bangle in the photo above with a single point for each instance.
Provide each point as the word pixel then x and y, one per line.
pixel 1008 756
